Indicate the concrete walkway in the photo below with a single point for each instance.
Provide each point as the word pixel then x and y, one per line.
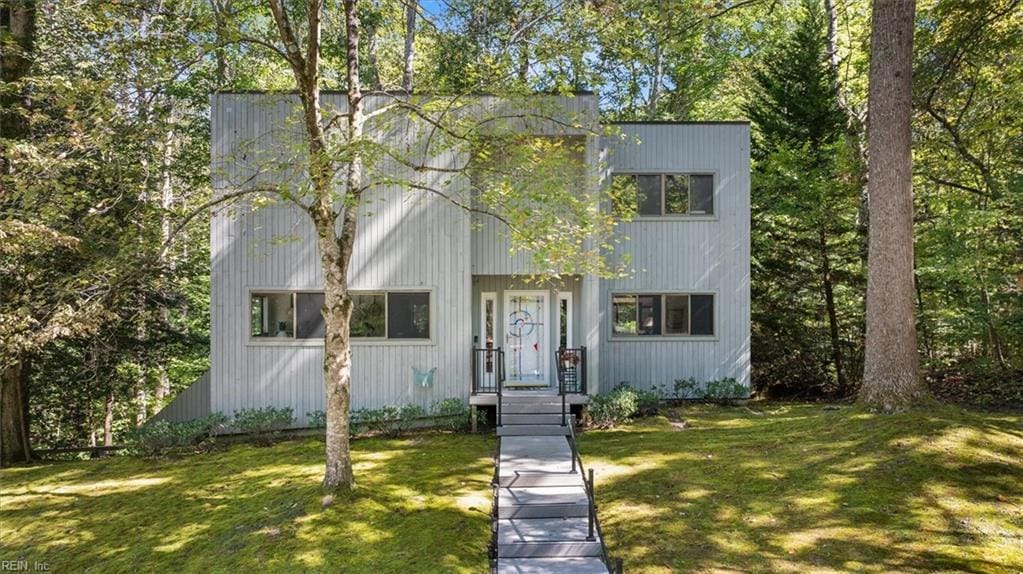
pixel 542 519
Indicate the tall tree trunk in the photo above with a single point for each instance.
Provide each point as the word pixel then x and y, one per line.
pixel 410 43
pixel 656 80
pixel 833 327
pixel 891 377
pixel 15 63
pixel 14 421
pixel 221 8
pixel 371 55
pixel 335 250
pixel 108 420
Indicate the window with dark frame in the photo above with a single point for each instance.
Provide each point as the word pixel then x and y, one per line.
pixel 670 193
pixel 668 314
pixel 299 315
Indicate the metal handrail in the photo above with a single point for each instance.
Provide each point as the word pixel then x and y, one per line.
pixel 496 514
pixel 500 383
pixel 594 520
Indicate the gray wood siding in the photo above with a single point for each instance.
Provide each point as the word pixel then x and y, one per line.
pixel 274 248
pixel 420 241
pixel 191 403
pixel 706 255
pixel 492 252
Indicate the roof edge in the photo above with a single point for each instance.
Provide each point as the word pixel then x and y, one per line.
pixel 397 93
pixel 679 123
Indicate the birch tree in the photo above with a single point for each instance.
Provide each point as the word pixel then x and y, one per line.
pixel 563 229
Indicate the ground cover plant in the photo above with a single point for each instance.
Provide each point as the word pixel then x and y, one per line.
pixel 798 488
pixel 421 505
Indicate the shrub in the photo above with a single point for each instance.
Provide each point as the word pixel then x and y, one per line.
pixel 686 388
pixel 263 425
pixel 613 408
pixel 316 419
pixel 647 402
pixel 391 420
pixel 726 391
pixel 407 415
pixel 451 414
pixel 156 438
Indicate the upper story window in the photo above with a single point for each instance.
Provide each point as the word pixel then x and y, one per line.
pixel 671 314
pixel 666 194
pixel 298 315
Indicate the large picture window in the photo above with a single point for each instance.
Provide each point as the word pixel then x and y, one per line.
pixel 662 314
pixel 669 193
pixel 299 315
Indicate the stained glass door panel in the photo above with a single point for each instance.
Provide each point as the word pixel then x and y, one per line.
pixel 526 337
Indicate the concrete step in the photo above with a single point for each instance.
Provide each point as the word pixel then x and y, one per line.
pixel 542 502
pixel 521 531
pixel 533 419
pixel 551 566
pixel 549 550
pixel 534 454
pixel 521 407
pixel 528 479
pixel 532 430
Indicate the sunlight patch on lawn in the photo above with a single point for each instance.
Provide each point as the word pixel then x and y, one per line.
pixel 182 536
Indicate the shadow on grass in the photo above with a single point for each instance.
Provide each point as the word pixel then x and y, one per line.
pixel 801 489
pixel 421 505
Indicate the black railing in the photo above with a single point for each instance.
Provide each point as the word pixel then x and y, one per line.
pixel 593 522
pixel 571 365
pixel 487 370
pixel 496 512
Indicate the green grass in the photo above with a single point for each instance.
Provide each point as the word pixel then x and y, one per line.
pixel 794 489
pixel 800 489
pixel 421 505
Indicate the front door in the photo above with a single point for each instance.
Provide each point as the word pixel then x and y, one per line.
pixel 526 339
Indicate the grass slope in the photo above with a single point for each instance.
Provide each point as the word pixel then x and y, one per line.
pixel 421 506
pixel 800 489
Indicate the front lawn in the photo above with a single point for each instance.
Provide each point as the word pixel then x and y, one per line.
pixel 421 506
pixel 779 488
pixel 801 489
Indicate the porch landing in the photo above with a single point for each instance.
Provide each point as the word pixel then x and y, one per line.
pixel 490 399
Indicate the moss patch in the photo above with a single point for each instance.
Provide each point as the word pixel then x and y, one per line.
pixel 795 488
pixel 421 505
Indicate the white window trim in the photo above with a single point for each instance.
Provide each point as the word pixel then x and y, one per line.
pixel 569 338
pixel 640 218
pixel 486 296
pixel 626 337
pixel 355 341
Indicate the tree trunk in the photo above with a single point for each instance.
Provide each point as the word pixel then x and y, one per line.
pixel 220 10
pixel 829 301
pixel 891 378
pixel 410 43
pixel 14 423
pixel 655 83
pixel 371 55
pixel 108 420
pixel 15 62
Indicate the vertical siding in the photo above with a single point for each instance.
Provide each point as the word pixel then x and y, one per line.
pixel 411 239
pixel 492 252
pixel 192 403
pixel 406 239
pixel 696 255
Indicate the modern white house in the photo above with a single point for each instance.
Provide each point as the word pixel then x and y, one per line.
pixel 438 290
